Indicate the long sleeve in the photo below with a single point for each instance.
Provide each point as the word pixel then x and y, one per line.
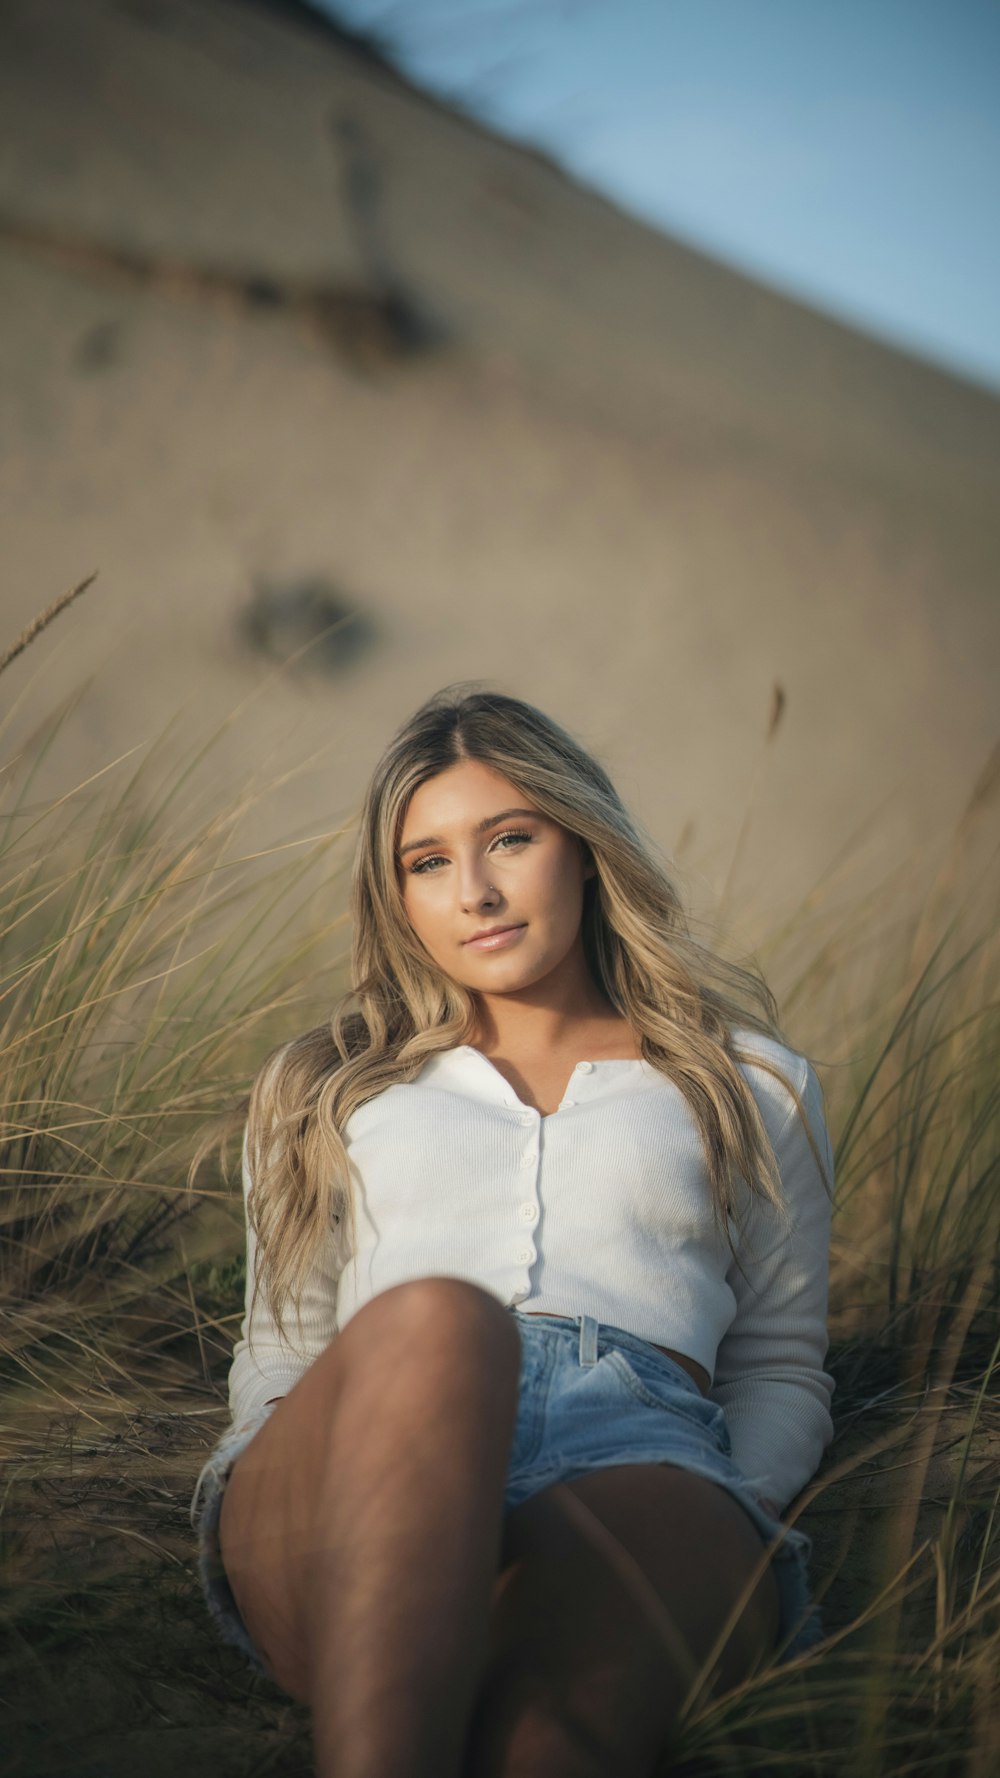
pixel 264 1364
pixel 769 1377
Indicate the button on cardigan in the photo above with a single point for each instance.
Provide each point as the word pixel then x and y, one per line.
pixel 600 1208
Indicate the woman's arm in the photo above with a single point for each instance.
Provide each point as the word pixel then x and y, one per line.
pixel 265 1365
pixel 769 1375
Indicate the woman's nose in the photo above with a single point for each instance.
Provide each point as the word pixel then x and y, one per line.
pixel 475 887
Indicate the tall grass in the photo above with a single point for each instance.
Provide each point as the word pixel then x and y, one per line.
pixel 137 984
pixel 146 962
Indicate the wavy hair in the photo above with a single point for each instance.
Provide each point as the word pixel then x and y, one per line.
pixel 682 1000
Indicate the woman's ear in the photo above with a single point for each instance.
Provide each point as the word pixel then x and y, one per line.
pixel 589 867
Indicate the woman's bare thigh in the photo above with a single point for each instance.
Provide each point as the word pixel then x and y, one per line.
pixel 292 1477
pixel 269 1497
pixel 614 1589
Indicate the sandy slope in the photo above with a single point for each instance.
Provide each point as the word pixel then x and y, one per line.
pixel 270 315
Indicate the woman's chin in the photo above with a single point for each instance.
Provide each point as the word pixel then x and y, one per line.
pixel 503 979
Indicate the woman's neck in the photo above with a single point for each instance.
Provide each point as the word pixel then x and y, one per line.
pixel 593 1029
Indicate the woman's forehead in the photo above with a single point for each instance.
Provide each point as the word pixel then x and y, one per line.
pixel 462 795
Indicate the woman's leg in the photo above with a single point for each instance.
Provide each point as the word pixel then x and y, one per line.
pixel 597 1630
pixel 361 1528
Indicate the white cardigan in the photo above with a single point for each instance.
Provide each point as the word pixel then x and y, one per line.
pixel 601 1208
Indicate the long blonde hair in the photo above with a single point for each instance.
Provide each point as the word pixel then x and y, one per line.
pixel 680 998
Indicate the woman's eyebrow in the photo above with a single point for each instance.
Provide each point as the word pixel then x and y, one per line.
pixel 480 827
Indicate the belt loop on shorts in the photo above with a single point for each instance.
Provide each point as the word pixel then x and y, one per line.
pixel 588 1339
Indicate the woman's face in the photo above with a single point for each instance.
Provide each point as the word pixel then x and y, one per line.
pixel 476 858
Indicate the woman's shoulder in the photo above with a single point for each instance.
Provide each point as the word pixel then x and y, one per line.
pixel 776 1073
pixel 760 1043
pixel 285 1084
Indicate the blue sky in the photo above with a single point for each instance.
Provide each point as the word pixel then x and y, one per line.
pixel 845 151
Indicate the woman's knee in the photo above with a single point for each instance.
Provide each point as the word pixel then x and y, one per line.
pixel 452 1316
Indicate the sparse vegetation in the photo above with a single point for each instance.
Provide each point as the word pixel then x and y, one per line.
pixel 145 965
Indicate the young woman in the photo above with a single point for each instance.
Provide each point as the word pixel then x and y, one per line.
pixel 537 1242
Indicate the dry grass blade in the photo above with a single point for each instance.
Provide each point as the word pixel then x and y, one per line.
pixel 44 618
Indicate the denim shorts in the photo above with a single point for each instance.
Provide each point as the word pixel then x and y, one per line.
pixel 590 1396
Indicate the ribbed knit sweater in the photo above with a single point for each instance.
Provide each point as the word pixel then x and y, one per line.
pixel 600 1208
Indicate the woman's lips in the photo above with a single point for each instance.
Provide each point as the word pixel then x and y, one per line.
pixel 495 941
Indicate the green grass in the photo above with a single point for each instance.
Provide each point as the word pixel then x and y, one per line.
pixel 146 963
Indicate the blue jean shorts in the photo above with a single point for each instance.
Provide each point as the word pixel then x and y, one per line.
pixel 590 1396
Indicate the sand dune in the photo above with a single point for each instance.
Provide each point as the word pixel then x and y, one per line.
pixel 284 339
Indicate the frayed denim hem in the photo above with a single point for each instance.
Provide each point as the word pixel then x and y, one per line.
pixel 205 1512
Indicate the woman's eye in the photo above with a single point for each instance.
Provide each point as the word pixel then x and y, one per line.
pixel 510 834
pixel 514 837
